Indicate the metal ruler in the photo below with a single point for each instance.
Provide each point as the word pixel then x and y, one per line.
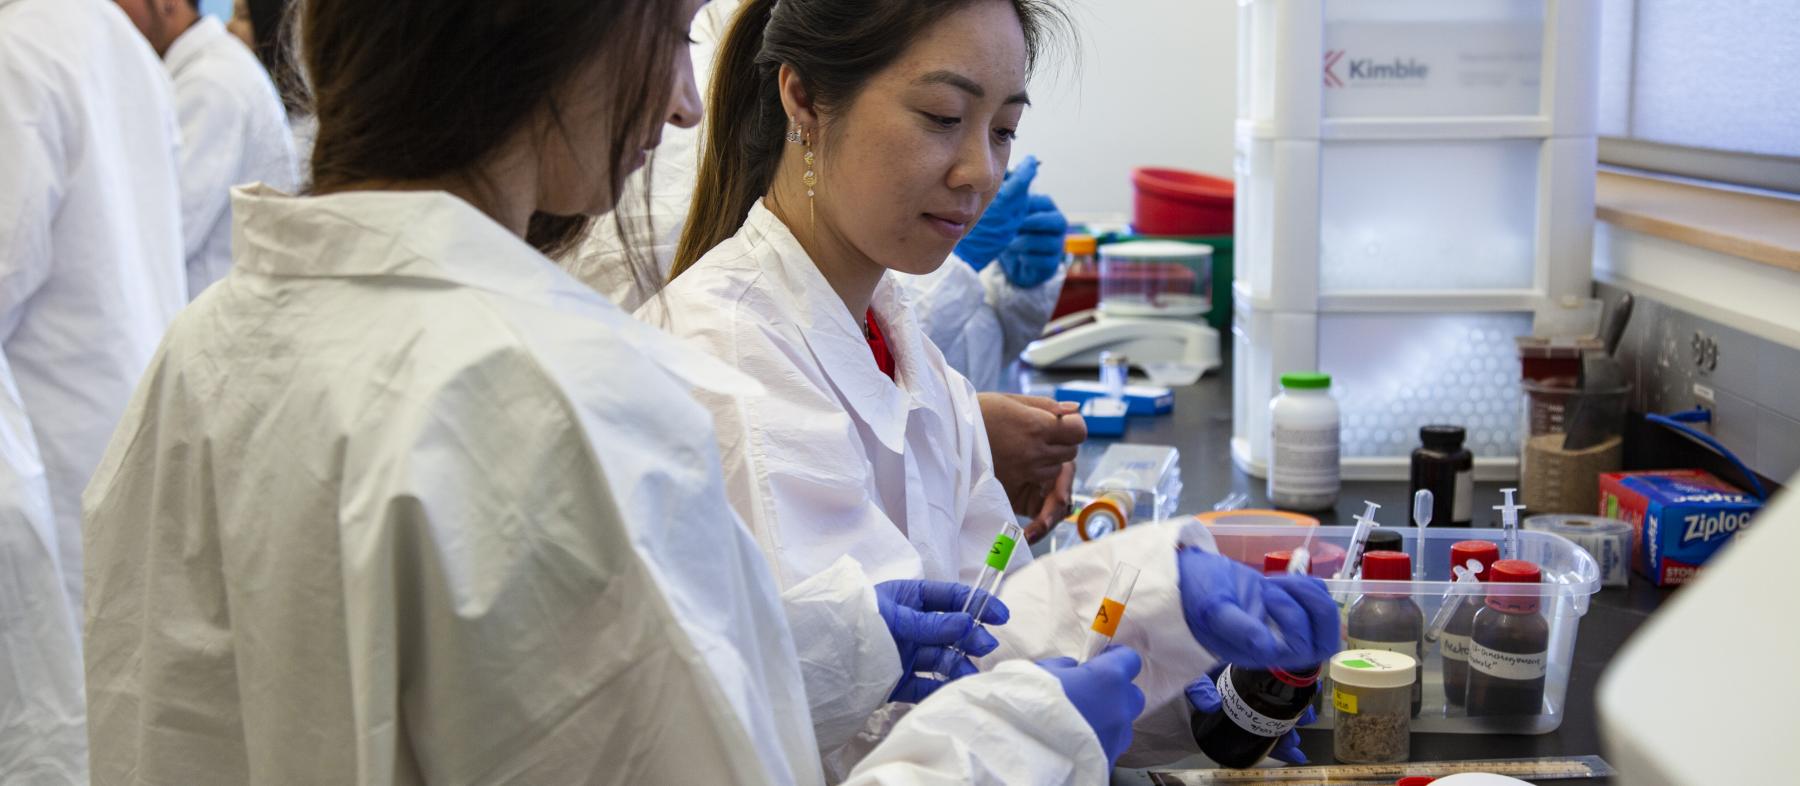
pixel 1542 768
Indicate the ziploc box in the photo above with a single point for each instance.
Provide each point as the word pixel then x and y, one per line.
pixel 1679 518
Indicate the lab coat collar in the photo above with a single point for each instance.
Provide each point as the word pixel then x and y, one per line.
pixel 432 235
pixel 192 43
pixel 836 339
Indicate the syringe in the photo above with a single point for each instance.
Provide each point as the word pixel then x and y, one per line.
pixel 1466 579
pixel 992 570
pixel 1422 502
pixel 1358 538
pixel 1112 609
pixel 1509 520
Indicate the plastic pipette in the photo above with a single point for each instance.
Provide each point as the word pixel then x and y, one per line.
pixel 1358 538
pixel 1509 520
pixel 992 570
pixel 1300 559
pixel 1112 609
pixel 1464 586
pixel 1422 501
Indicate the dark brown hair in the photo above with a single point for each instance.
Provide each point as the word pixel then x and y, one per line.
pixel 419 89
pixel 836 46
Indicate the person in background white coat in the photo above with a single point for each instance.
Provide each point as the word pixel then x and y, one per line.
pixel 90 274
pixel 833 163
pixel 401 502
pixel 233 128
pixel 970 315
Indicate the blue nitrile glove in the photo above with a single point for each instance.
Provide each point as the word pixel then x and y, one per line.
pixel 1230 607
pixel 1036 252
pixel 924 617
pixel 1102 692
pixel 1204 695
pixel 997 226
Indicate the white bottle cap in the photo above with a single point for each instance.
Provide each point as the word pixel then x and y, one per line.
pixel 1373 669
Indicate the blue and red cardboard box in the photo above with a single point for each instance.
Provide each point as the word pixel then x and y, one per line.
pixel 1680 518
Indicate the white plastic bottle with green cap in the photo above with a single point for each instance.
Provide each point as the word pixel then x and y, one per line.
pixel 1303 444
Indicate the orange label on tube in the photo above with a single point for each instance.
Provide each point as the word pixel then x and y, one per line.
pixel 1106 620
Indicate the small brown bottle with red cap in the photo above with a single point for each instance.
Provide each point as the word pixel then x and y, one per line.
pixel 1388 620
pixel 1454 643
pixel 1256 706
pixel 1508 646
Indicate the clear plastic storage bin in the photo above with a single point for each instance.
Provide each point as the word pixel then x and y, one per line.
pixel 1570 578
pixel 1155 278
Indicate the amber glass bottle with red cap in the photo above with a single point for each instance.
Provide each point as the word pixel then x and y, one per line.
pixel 1387 620
pixel 1454 643
pixel 1508 646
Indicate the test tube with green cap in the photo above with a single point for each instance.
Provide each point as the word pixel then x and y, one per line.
pixel 992 570
pixel 1112 609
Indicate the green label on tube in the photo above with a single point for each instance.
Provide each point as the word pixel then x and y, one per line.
pixel 1001 551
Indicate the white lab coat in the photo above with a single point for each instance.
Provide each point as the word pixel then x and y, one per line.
pixel 233 131
pixel 402 502
pixel 979 321
pixel 43 738
pixel 835 458
pixel 90 274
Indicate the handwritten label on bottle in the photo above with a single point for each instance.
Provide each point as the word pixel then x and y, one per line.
pixel 1454 647
pixel 1507 665
pixel 1244 716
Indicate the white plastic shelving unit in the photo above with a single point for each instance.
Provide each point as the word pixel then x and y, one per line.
pixel 1414 177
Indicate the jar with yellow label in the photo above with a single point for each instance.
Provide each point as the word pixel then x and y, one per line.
pixel 1371 690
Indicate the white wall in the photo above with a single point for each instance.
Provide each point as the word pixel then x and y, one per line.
pixel 1753 297
pixel 1156 87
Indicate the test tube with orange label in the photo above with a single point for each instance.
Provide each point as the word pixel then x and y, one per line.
pixel 1112 609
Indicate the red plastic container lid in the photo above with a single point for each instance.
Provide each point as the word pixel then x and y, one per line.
pixel 1514 571
pixel 1277 561
pixel 1387 566
pixel 1415 780
pixel 1485 552
pixel 1183 185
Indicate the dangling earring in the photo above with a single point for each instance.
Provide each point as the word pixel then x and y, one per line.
pixel 793 136
pixel 811 179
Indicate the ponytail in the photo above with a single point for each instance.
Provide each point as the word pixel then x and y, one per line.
pixel 741 141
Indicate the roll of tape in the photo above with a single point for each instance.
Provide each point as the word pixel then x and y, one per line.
pixel 1256 518
pixel 1608 541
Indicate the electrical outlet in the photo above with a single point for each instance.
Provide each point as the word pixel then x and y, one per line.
pixel 1705 399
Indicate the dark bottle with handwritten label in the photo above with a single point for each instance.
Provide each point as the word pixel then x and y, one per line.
pixel 1508 646
pixel 1387 620
pixel 1454 643
pixel 1256 708
pixel 1447 468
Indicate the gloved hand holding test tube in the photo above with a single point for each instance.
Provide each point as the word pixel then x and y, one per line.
pixel 1112 609
pixel 988 585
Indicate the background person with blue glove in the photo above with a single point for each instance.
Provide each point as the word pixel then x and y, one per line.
pixel 982 313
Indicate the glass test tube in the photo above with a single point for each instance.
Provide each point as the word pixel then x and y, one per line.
pixel 999 554
pixel 1112 609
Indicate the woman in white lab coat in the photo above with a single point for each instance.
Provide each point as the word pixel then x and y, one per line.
pixel 399 501
pixel 978 319
pixel 848 140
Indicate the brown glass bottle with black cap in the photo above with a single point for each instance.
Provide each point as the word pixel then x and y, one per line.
pixel 1256 706
pixel 1508 646
pixel 1387 620
pixel 1447 468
